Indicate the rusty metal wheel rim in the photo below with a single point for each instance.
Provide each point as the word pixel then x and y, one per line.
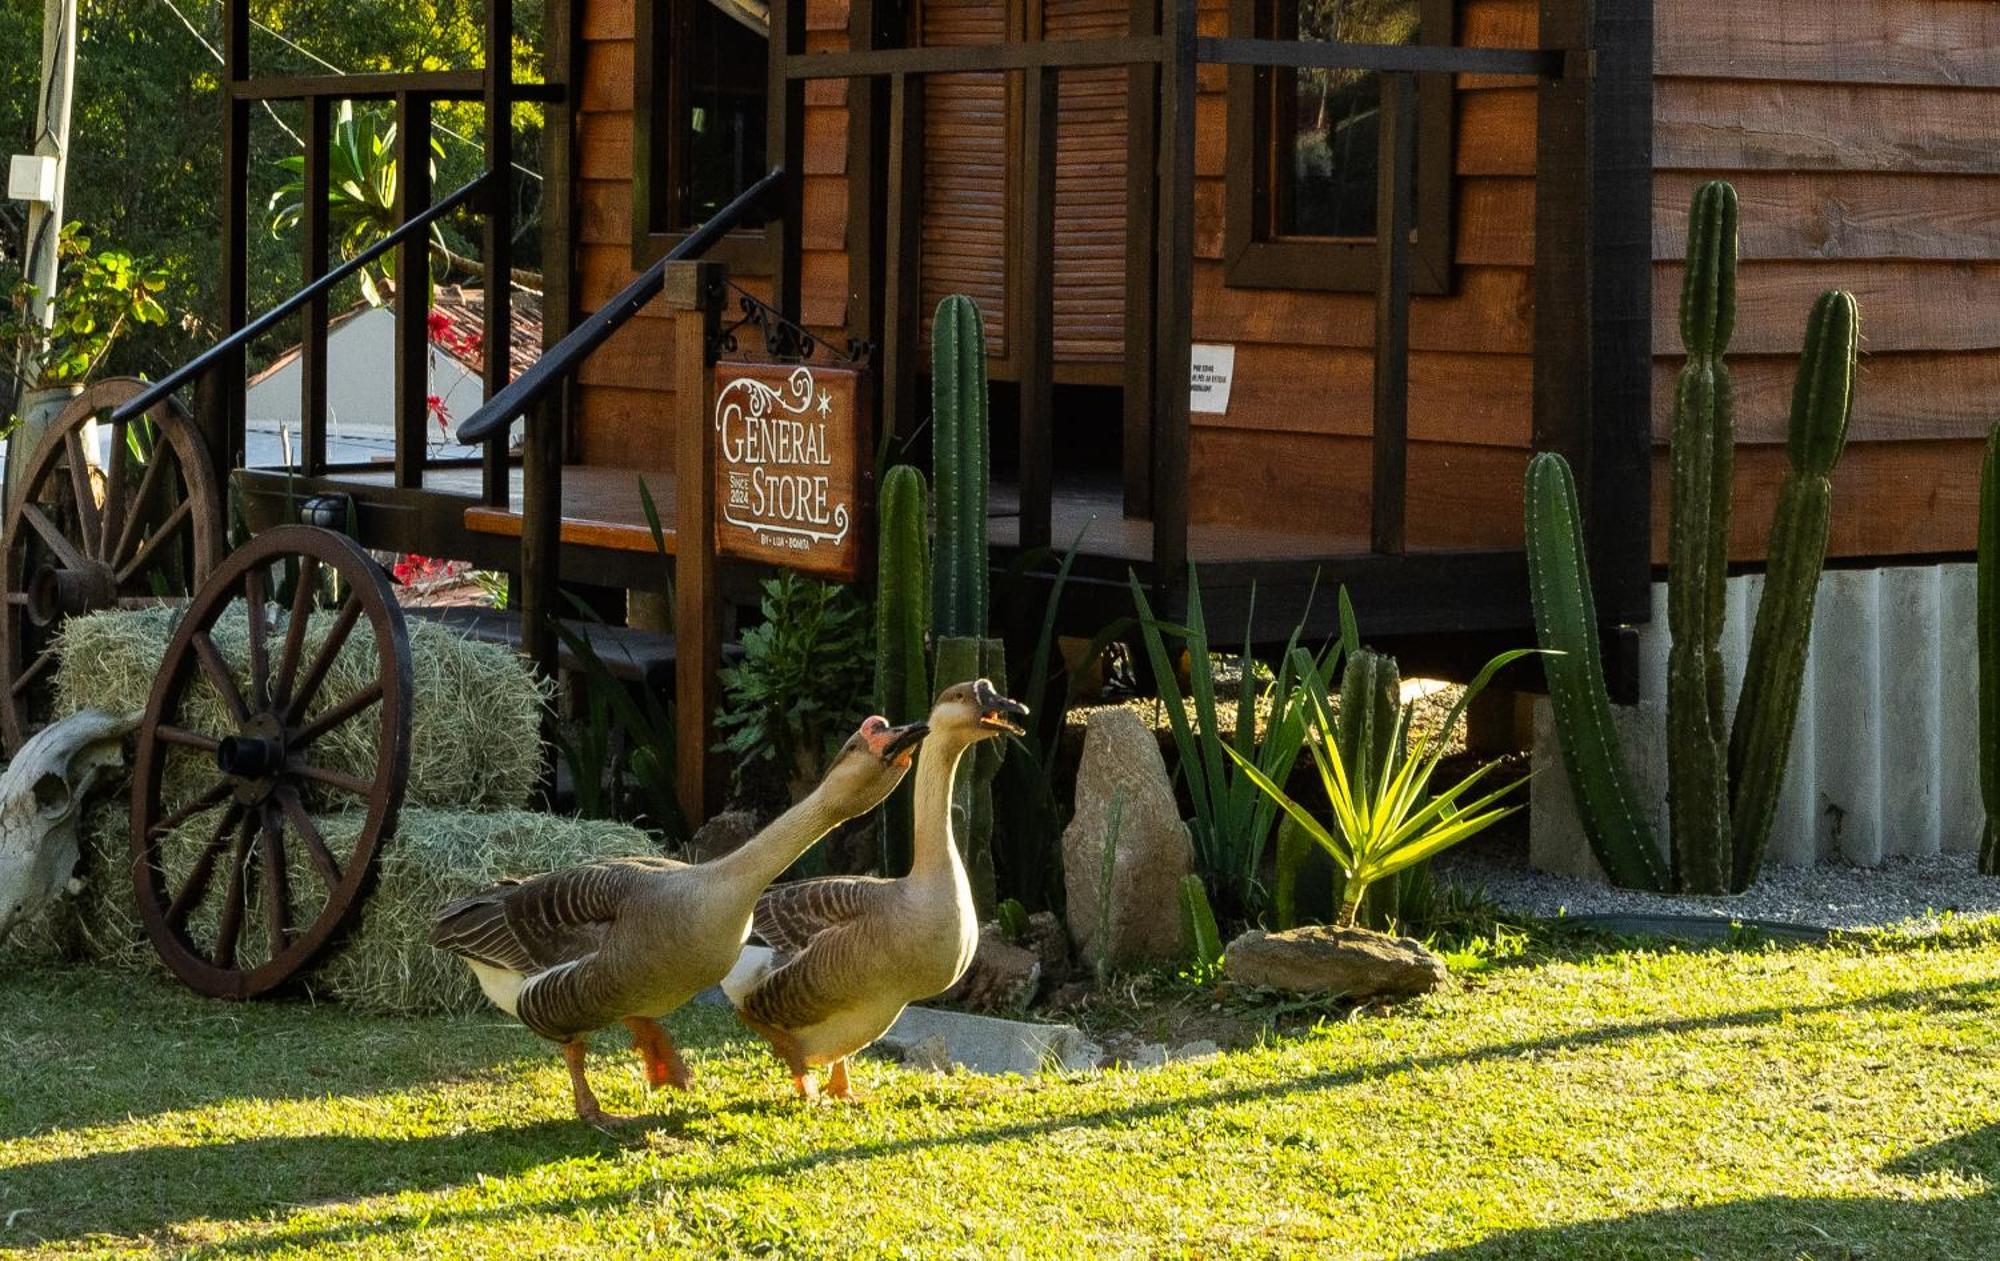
pixel 64 553
pixel 261 769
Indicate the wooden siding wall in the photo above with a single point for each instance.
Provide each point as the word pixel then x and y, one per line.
pixel 625 416
pixel 1296 433
pixel 1861 136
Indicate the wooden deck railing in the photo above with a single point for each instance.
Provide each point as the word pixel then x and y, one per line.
pixel 1160 296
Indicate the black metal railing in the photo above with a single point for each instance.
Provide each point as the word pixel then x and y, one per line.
pixel 561 359
pixel 194 368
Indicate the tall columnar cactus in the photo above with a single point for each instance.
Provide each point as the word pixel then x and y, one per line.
pixel 961 463
pixel 902 623
pixel 1722 793
pixel 1607 803
pixel 1989 653
pixel 960 459
pixel 1704 447
pixel 1767 711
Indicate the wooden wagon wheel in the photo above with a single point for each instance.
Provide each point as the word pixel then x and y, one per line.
pixel 142 525
pixel 251 784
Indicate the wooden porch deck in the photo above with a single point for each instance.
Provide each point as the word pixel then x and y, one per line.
pixel 602 509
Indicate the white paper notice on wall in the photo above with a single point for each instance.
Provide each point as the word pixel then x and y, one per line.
pixel 1210 368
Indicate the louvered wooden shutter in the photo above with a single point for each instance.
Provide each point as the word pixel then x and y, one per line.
pixel 966 204
pixel 1091 166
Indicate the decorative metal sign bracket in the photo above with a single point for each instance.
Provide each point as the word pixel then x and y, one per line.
pixel 784 341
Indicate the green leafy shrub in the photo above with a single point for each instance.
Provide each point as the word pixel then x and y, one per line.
pixel 797 691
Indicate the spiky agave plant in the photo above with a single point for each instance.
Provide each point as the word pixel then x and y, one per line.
pixel 1397 821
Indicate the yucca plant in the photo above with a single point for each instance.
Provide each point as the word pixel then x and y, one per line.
pixel 1232 823
pixel 1398 822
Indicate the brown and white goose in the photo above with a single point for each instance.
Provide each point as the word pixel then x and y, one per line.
pixel 850 952
pixel 631 939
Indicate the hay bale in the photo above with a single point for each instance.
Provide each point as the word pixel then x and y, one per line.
pixel 387 964
pixel 475 721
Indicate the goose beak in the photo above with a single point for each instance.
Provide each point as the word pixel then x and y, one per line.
pixel 903 741
pixel 999 713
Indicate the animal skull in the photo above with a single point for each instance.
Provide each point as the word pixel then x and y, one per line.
pixel 42 793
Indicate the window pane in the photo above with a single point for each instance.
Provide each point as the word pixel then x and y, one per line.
pixel 724 126
pixel 1324 121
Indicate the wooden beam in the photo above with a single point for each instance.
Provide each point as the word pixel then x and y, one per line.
pixel 314 240
pixel 1562 232
pixel 1037 318
pixel 693 294
pixel 902 272
pixel 1394 192
pixel 1174 293
pixel 545 427
pixel 785 146
pixel 498 243
pixel 224 424
pixel 1142 97
pixel 1620 241
pixel 413 260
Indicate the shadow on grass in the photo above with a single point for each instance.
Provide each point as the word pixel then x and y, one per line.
pixel 1826 1228
pixel 83 1047
pixel 139 1192
pixel 296 1171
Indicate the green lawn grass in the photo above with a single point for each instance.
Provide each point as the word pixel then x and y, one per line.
pixel 1589 1101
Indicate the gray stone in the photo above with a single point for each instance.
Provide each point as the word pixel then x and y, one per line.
pixel 1122 774
pixel 987 1044
pixel 933 1054
pixel 1316 959
pixel 1001 978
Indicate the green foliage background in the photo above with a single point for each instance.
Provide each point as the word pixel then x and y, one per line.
pixel 146 133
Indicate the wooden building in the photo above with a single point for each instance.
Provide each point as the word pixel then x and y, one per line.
pixel 1126 188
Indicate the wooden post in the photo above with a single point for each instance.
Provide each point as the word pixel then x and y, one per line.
pixel 413 290
pixel 314 240
pixel 693 295
pixel 1142 102
pixel 901 272
pixel 223 423
pixel 1037 319
pixel 499 236
pixel 1175 295
pixel 1562 399
pixel 1393 194
pixel 785 146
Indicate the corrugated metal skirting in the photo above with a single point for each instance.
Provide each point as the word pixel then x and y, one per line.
pixel 1884 758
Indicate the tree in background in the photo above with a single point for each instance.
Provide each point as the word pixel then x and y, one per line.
pixel 146 159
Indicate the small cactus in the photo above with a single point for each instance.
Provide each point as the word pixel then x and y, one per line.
pixel 1989 653
pixel 1767 711
pixel 902 622
pixel 1607 804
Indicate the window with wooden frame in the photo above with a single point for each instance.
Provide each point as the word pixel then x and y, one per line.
pixel 700 122
pixel 1301 177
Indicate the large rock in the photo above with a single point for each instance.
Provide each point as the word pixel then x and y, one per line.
pixel 1122 773
pixel 1002 977
pixel 1353 962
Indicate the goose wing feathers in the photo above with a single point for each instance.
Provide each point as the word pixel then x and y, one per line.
pixel 789 916
pixel 544 921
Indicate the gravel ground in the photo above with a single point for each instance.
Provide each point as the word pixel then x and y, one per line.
pixel 1902 890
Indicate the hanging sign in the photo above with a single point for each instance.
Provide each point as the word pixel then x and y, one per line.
pixel 792 466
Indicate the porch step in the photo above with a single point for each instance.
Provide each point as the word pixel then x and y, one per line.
pixel 635 656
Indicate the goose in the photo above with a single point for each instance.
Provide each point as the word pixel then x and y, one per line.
pixel 627 940
pixel 848 953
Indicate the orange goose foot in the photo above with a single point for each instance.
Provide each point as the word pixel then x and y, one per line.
pixel 662 1060
pixel 839 1087
pixel 587 1110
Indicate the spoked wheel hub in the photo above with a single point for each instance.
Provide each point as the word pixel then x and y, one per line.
pixel 272 761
